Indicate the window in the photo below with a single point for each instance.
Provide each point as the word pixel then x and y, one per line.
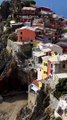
pixel 51 65
pixel 51 71
pixel 63 65
pixel 40 60
pixel 45 72
pixel 30 65
pixel 45 64
pixel 20 38
pixel 49 54
pixel 21 33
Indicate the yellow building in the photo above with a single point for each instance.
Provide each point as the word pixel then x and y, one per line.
pixel 45 69
pixel 46 65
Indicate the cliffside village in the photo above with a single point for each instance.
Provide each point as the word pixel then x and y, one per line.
pixel 42 40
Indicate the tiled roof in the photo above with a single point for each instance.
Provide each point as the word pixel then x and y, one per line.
pixel 29 8
pixel 37 83
pixel 46 9
pixel 27 27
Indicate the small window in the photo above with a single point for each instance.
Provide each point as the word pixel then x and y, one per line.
pixel 45 72
pixel 51 65
pixel 45 64
pixel 21 38
pixel 49 54
pixel 21 33
pixel 30 65
pixel 63 65
pixel 51 71
pixel 40 60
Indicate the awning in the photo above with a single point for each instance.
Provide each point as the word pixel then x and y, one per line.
pixel 34 88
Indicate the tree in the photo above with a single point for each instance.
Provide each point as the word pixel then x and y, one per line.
pixel 13 37
pixel 58 118
pixel 5 11
pixel 4 39
pixel 61 88
pixel 29 2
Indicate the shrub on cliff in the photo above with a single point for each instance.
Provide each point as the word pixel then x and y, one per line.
pixel 61 88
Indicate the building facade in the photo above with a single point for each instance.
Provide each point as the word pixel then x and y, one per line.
pixel 26 34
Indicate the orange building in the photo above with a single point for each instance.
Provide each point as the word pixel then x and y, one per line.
pixel 26 34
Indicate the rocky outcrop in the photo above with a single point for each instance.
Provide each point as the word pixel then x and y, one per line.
pixel 13 77
pixel 7 76
pixel 39 111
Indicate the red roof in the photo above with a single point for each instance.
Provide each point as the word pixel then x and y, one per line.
pixel 45 9
pixel 36 82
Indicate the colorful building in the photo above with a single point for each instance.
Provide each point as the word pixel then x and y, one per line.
pixel 26 34
pixel 45 10
pixel 33 89
pixel 41 63
pixel 42 55
pixel 29 11
pixel 52 67
pixel 58 69
pixel 45 67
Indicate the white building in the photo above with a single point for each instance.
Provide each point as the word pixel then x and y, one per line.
pixel 58 69
pixel 61 109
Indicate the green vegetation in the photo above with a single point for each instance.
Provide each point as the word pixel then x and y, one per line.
pixel 4 57
pixel 5 9
pixel 4 39
pixel 29 2
pixel 13 37
pixel 5 53
pixel 61 88
pixel 56 118
pixel 25 52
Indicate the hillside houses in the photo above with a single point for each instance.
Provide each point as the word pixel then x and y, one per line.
pixel 58 69
pixel 61 109
pixel 29 11
pixel 39 49
pixel 44 27
pixel 63 45
pixel 26 34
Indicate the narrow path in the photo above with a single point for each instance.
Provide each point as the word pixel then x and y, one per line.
pixel 17 109
pixel 11 106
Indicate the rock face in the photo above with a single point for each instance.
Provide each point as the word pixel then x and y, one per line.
pixel 39 111
pixel 14 78
pixel 8 78
pixel 15 74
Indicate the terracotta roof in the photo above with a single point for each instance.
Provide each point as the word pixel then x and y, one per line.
pixel 46 9
pixel 29 8
pixel 26 27
pixel 37 83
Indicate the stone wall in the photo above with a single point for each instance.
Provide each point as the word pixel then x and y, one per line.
pixel 53 101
